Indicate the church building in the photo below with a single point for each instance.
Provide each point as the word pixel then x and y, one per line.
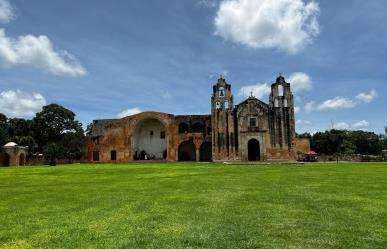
pixel 250 131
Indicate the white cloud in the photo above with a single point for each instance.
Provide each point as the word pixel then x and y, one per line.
pixel 300 81
pixel 366 97
pixel 21 104
pixel 341 126
pixel 258 90
pixel 6 11
pixel 361 125
pixel 341 102
pixel 310 106
pixel 336 103
pixel 37 52
pixel 129 112
pixel 297 109
pixel 287 25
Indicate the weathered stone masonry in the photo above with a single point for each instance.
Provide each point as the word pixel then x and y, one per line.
pixel 251 130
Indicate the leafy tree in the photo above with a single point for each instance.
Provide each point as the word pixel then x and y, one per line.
pixel 367 143
pixel 18 127
pixel 52 123
pixel 58 133
pixel 347 147
pixel 52 152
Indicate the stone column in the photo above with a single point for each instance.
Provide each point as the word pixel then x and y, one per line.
pixel 197 155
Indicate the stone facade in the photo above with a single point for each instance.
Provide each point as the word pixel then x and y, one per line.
pixel 252 130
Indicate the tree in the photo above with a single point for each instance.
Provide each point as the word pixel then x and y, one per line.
pixel 52 152
pixel 347 147
pixel 18 127
pixel 52 123
pixel 58 133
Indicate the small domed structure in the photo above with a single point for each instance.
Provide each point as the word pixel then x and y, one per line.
pixel 10 144
pixel 13 155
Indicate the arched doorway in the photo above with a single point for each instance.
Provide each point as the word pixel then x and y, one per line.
pixel 187 151
pixel 206 152
pixel 22 159
pixel 150 140
pixel 4 159
pixel 254 153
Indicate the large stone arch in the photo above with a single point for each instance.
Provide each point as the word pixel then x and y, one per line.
pixel 135 121
pixel 187 151
pixel 150 140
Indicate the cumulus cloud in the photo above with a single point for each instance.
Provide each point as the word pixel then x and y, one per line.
pixel 361 125
pixel 336 103
pixel 19 104
pixel 340 102
pixel 300 81
pixel 37 52
pixel 366 97
pixel 259 90
pixel 6 11
pixel 129 112
pixel 287 25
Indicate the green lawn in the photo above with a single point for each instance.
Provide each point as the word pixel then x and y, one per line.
pixel 188 205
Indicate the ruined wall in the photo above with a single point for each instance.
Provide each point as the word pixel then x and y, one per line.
pixel 122 136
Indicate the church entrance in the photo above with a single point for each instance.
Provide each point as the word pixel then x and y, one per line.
pixel 187 151
pixel 254 153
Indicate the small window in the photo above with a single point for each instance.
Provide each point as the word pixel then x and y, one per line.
pixel 286 103
pixel 95 156
pixel 276 103
pixel 226 104
pixel 113 155
pixel 151 133
pixel 217 105
pixel 253 122
pixel 162 134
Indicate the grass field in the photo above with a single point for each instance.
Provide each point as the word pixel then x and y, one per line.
pixel 188 205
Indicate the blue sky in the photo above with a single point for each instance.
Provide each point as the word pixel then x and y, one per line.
pixel 105 58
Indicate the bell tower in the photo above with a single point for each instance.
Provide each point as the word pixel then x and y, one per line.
pixel 281 104
pixel 222 111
